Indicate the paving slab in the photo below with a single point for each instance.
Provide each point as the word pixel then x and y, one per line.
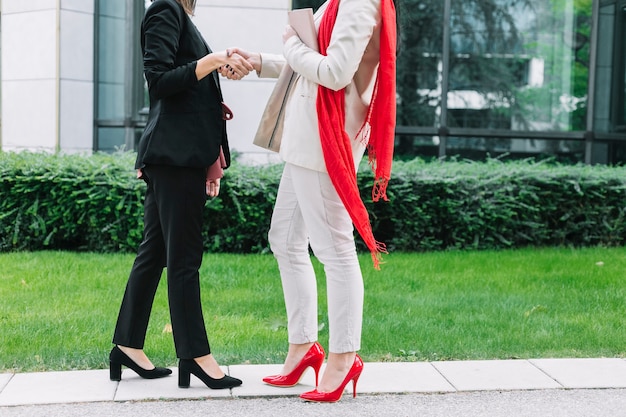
pixel 512 374
pixel 134 388
pixel 585 372
pixel 58 387
pixel 4 380
pixel 253 385
pixel 396 377
pixel 377 378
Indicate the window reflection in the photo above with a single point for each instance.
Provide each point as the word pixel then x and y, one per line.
pixel 523 63
pixel 622 118
pixel 419 62
pixel 301 4
pixel 111 41
pixel 119 82
pixel 0 74
pixel 514 65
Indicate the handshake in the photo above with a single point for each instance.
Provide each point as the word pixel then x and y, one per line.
pixel 238 63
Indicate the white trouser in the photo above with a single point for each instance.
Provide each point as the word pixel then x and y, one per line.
pixel 308 210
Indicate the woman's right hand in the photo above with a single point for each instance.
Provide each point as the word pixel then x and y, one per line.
pixel 253 58
pixel 212 187
pixel 235 65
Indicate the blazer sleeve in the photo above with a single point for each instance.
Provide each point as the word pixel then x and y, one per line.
pixel 355 24
pixel 161 30
pixel 271 65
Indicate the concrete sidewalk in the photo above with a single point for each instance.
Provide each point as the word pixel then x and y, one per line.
pixel 377 378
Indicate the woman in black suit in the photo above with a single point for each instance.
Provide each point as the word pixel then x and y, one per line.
pixel 181 155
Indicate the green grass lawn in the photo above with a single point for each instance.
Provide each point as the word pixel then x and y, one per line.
pixel 58 309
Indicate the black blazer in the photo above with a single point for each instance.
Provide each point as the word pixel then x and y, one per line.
pixel 185 126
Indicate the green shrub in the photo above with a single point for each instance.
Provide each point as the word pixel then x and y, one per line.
pixel 494 204
pixel 69 202
pixel 94 203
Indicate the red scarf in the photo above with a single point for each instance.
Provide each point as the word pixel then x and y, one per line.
pixel 379 126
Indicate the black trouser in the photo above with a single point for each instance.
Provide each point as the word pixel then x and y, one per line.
pixel 172 238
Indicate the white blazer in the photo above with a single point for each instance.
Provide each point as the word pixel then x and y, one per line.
pixel 351 62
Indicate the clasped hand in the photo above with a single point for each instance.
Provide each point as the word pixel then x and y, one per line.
pixel 236 66
pixel 252 59
pixel 232 72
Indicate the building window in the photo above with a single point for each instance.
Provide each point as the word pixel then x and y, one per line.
pixel 119 81
pixel 491 74
pixel 620 102
pixel 0 75
pixel 610 109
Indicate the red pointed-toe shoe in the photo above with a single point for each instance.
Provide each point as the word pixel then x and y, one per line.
pixel 330 397
pixel 313 358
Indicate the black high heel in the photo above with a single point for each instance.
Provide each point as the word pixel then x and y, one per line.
pixel 186 367
pixel 117 358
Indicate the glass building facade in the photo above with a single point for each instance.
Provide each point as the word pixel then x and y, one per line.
pixel 512 79
pixel 476 78
pixel 120 105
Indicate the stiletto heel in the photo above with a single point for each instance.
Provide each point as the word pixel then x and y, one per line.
pixel 117 358
pixel 354 381
pixel 313 358
pixel 186 367
pixel 330 397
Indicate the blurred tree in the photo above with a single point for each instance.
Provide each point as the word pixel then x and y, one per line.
pixel 302 4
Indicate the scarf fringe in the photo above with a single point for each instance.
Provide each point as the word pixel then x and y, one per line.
pixel 377 254
pixel 380 189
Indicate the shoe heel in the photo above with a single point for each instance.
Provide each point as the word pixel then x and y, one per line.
pixel 354 381
pixel 115 371
pixel 316 367
pixel 184 378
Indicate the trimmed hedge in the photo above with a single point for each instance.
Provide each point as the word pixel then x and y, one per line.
pixel 69 202
pixel 494 204
pixel 94 203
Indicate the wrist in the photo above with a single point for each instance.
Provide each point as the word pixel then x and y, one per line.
pixel 256 61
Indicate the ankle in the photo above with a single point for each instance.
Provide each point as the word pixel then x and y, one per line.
pixel 127 350
pixel 340 362
pixel 137 355
pixel 337 367
pixel 210 366
pixel 294 356
pixel 299 349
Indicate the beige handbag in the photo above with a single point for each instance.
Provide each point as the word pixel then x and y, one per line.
pixel 270 129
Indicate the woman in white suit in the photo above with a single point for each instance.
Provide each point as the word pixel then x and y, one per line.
pixel 329 121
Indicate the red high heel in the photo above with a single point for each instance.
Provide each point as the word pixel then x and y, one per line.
pixel 313 358
pixel 330 397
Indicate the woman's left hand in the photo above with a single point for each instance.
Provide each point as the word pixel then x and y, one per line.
pixel 213 187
